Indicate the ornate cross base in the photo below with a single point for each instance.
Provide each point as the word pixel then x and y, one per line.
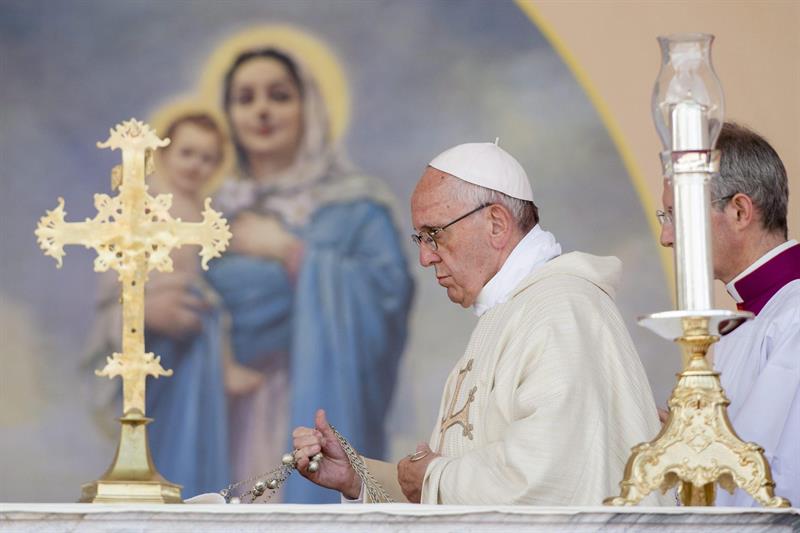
pixel 697 447
pixel 132 478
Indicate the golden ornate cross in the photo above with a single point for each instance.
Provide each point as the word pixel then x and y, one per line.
pixel 462 416
pixel 133 233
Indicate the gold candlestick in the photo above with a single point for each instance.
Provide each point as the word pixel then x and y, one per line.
pixel 697 447
pixel 133 233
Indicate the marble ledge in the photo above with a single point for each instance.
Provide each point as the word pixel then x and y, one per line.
pixel 87 518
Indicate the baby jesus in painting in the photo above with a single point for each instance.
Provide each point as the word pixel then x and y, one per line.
pixel 175 302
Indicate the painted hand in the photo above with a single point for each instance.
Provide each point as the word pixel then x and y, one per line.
pixel 262 236
pixel 171 309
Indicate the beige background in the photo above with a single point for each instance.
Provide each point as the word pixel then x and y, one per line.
pixel 756 55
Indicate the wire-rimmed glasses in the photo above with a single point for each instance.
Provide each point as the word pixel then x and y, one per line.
pixel 428 236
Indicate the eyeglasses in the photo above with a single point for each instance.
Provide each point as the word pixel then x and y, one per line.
pixel 667 218
pixel 663 217
pixel 428 237
pixel 723 199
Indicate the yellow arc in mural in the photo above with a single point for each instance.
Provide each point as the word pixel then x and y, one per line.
pixel 610 123
pixel 317 58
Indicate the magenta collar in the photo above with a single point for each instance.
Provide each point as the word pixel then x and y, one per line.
pixel 760 285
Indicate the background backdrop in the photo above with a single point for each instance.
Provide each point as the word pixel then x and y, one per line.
pixel 569 96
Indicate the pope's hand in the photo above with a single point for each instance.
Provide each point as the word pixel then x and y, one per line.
pixel 411 472
pixel 334 471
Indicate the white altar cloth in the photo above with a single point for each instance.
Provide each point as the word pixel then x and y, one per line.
pixel 244 518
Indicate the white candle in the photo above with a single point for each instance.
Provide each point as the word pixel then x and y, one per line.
pixel 689 126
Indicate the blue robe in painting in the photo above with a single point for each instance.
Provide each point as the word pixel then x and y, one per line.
pixel 189 434
pixel 343 323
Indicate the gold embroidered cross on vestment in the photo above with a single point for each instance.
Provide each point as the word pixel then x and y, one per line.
pixel 462 416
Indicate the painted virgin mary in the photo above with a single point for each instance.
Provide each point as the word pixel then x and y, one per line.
pixel 316 281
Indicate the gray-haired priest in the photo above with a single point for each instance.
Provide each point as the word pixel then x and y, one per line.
pixel 550 395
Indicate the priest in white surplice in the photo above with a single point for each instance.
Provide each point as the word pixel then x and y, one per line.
pixel 549 397
pixel 759 362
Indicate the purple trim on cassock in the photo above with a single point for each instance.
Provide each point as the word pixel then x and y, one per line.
pixel 759 286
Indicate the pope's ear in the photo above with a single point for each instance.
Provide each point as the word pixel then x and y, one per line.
pixel 502 222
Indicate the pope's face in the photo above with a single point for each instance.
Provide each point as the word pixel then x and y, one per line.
pixel 191 158
pixel 266 109
pixel 721 236
pixel 462 260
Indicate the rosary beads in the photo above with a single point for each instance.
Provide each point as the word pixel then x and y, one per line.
pixel 269 482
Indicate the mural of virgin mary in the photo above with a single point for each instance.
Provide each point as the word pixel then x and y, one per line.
pixel 316 281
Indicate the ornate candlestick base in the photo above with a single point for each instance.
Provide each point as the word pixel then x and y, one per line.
pixel 132 478
pixel 697 447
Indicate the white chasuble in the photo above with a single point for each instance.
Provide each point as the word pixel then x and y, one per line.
pixel 549 398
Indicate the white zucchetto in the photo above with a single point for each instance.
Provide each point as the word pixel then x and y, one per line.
pixel 487 165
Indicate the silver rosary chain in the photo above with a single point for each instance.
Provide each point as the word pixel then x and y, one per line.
pixel 374 489
pixel 264 484
pixel 270 482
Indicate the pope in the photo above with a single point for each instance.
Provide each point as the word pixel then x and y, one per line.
pixel 550 395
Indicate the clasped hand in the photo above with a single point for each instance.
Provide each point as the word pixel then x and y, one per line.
pixel 411 472
pixel 335 471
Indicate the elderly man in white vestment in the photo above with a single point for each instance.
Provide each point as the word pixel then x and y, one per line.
pixel 760 360
pixel 550 395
